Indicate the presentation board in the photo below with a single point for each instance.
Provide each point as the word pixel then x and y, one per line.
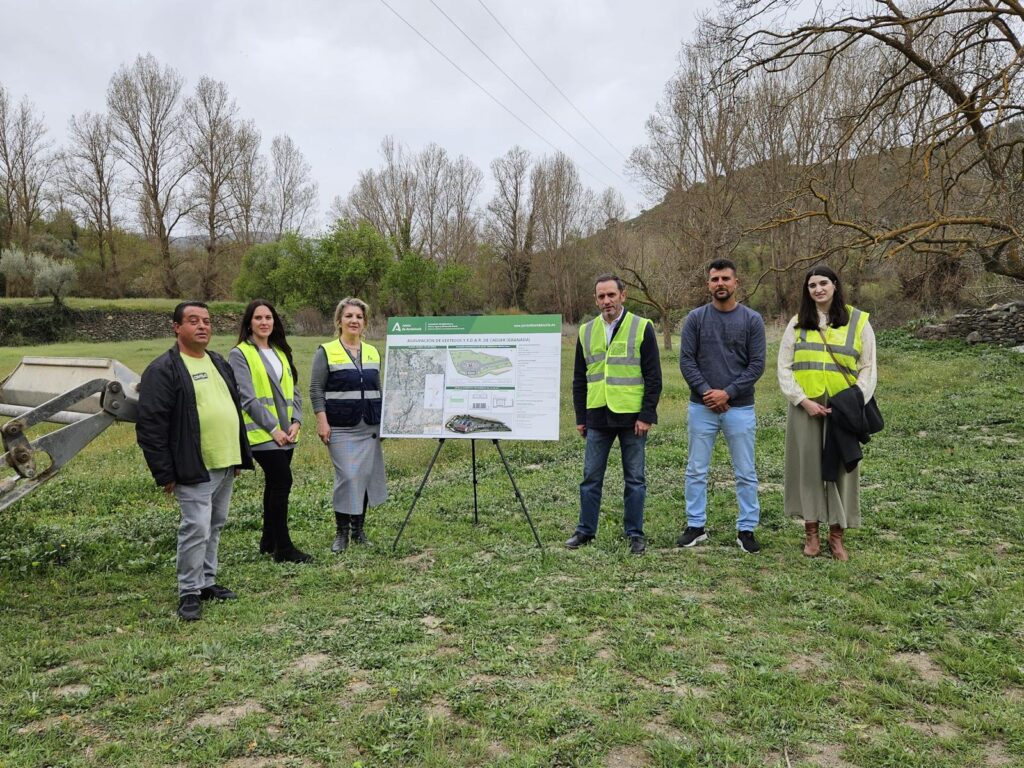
pixel 488 377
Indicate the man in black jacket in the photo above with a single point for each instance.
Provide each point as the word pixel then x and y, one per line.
pixel 191 432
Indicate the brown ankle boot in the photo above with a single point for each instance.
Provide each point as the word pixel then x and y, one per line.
pixel 812 544
pixel 835 543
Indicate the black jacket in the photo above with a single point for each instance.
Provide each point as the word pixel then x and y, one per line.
pixel 167 428
pixel 846 428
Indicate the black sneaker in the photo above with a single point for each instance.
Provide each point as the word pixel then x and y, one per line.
pixel 578 540
pixel 747 542
pixel 691 537
pixel 216 592
pixel 189 608
pixel 637 545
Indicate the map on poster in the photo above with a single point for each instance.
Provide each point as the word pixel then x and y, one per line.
pixel 484 377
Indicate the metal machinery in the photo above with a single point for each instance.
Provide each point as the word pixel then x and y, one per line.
pixel 86 394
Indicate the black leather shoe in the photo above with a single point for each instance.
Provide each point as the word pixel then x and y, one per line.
pixel 340 542
pixel 291 555
pixel 578 540
pixel 637 545
pixel 189 608
pixel 217 592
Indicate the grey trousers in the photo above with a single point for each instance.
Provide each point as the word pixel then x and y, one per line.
pixel 204 510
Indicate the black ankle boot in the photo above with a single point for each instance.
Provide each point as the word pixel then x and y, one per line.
pixel 291 554
pixel 358 535
pixel 341 540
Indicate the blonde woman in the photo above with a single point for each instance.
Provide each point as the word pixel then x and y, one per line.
pixel 345 394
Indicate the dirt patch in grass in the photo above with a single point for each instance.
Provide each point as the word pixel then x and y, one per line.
pixel 481 680
pixel 41 726
pixel 827 755
pixel 262 762
pixel 439 708
pixel 996 757
pixel 309 662
pixel 923 664
pixel 498 751
pixel 603 654
pixel 357 686
pixel 802 665
pixel 433 625
pixel 626 757
pixel 660 728
pixel 548 645
pixel 227 716
pixel 421 562
pixel 943 730
pixel 447 650
pixel 75 691
pixel 377 705
pixel 718 667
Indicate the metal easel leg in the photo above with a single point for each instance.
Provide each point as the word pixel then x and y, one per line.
pixel 416 496
pixel 519 496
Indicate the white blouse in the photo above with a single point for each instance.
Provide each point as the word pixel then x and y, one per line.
pixel 867 365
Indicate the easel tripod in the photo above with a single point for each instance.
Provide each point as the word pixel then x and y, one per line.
pixel 476 515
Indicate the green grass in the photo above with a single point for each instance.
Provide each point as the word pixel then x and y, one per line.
pixel 468 647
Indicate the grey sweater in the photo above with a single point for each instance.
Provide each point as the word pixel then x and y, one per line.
pixel 722 350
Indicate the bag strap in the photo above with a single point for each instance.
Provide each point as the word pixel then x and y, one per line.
pixel 835 360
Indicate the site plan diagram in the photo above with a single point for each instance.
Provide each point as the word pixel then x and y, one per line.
pixel 486 377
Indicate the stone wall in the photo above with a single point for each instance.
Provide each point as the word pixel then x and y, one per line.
pixel 137 325
pixel 1001 324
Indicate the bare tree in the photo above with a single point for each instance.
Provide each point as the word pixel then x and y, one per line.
pixel 387 198
pixel 26 165
pixel 564 213
pixel 144 102
pixel 249 210
pixel 510 222
pixel 292 194
pixel 90 177
pixel 210 132
pixel 445 217
pixel 943 105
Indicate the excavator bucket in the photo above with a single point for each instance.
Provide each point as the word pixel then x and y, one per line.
pixel 37 380
pixel 87 394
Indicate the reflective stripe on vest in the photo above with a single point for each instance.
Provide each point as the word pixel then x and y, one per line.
pixel 813 367
pixel 265 393
pixel 614 376
pixel 351 394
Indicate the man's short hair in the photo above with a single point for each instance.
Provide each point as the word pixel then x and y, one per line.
pixel 722 264
pixel 605 277
pixel 179 311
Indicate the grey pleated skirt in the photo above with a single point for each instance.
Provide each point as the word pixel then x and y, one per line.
pixel 805 496
pixel 358 468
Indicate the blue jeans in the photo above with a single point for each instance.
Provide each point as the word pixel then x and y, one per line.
pixel 595 461
pixel 739 426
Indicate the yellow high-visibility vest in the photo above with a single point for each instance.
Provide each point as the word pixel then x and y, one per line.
pixel 614 376
pixel 265 392
pixel 813 367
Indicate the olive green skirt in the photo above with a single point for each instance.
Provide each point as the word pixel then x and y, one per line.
pixel 806 496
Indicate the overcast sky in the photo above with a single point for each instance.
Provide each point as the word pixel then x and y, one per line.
pixel 340 76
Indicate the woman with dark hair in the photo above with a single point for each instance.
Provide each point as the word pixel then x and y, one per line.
pixel 345 394
pixel 827 347
pixel 272 411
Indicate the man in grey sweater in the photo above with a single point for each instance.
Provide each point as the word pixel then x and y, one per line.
pixel 721 356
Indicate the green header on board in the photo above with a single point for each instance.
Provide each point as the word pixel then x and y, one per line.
pixel 476 324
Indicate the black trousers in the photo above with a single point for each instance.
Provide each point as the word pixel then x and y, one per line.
pixel 277 471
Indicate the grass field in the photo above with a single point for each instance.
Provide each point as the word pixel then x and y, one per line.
pixel 469 647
